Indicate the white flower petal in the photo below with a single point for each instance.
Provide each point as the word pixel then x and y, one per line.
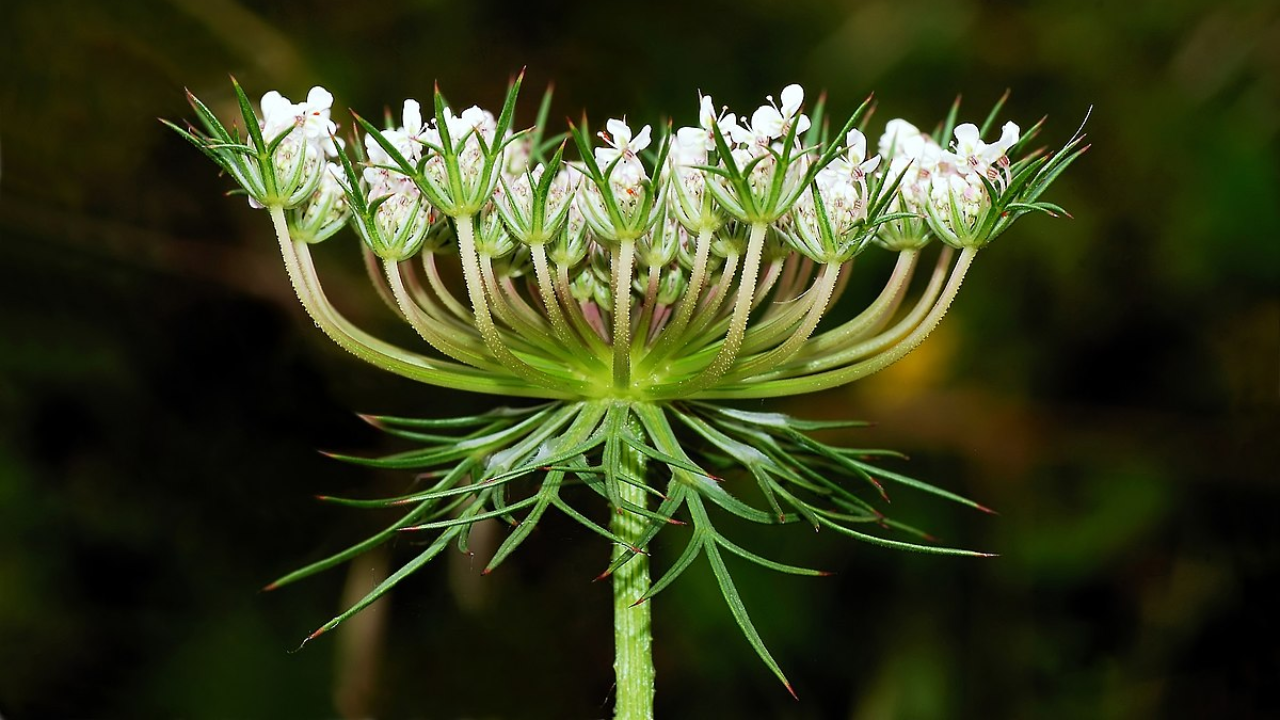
pixel 412 116
pixel 319 99
pixel 766 121
pixel 967 139
pixel 619 131
pixel 792 99
pixel 641 140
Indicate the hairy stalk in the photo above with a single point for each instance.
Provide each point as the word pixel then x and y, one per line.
pixel 622 261
pixel 811 362
pixel 878 309
pixel 446 343
pixel 376 352
pixel 577 316
pixel 831 378
pixel 675 329
pixel 738 321
pixel 484 320
pixel 632 632
pixel 373 267
pixel 818 305
pixel 427 300
pixel 437 284
pixel 548 293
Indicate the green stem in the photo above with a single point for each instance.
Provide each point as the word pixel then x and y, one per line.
pixel 632 632
pixel 622 260
pixel 493 338
pixel 728 353
pixel 754 388
pixel 675 329
pixel 297 261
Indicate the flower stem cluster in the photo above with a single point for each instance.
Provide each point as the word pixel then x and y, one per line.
pixel 692 263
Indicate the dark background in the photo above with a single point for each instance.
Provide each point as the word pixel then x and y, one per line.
pixel 1109 383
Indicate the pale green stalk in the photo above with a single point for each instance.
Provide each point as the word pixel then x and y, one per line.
pixel 622 261
pixel 675 329
pixel 447 297
pixel 818 305
pixel 737 324
pixel 632 631
pixel 484 320
pixel 879 308
pixel 297 261
pixel 446 343
pixel 751 388
pixel 811 361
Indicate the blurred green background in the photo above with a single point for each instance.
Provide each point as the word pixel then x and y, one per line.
pixel 1109 383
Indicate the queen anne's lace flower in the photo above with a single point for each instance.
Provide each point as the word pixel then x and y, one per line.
pixel 305 136
pixel 629 289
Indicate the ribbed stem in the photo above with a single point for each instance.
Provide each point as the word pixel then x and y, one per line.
pixel 622 260
pixel 376 352
pixel 728 353
pixel 753 388
pixel 632 632
pixel 493 338
pixel 548 292
pixel 675 329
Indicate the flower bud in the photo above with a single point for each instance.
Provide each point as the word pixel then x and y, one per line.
pixel 324 213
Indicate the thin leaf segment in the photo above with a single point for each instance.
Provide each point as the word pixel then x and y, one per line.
pixel 657 466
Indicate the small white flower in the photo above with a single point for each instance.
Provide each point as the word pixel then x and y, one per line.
pixel 901 139
pixel 973 155
pixel 310 116
pixel 629 170
pixel 770 122
pixel 407 140
pixel 853 164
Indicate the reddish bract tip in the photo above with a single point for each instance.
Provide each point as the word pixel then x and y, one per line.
pixel 315 635
pixel 791 690
pixel 674 521
pixel 269 587
pixel 639 602
pixel 988 555
pixel 986 510
pixel 601 576
pixel 880 487
pixel 930 538
pixel 486 571
pixel 826 573
pixel 328 454
pixel 371 419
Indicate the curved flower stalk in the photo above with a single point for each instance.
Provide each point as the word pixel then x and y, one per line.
pixel 658 271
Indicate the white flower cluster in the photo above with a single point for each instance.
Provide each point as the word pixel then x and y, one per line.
pixel 934 179
pixel 726 168
pixel 308 139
